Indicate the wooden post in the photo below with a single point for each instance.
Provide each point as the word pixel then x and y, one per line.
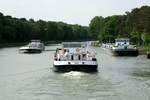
pixel 148 55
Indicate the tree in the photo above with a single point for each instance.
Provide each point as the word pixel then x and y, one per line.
pixel 145 38
pixel 131 25
pixel 96 27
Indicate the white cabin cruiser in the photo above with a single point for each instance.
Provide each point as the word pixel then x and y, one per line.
pixel 35 46
pixel 122 47
pixel 75 56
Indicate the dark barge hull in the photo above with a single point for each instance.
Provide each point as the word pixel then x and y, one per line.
pixel 125 52
pixel 31 51
pixel 87 68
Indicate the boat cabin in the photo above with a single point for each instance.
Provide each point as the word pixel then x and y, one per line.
pixel 74 45
pixel 122 41
pixel 74 51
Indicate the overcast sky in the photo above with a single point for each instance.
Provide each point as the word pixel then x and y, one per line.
pixel 70 11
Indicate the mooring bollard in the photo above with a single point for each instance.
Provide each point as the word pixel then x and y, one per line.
pixel 148 55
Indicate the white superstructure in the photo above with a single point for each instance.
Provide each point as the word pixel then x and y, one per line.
pixel 74 56
pixel 35 46
pixel 123 43
pixel 122 46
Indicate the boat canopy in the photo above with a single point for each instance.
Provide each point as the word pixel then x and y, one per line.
pixel 35 40
pixel 74 44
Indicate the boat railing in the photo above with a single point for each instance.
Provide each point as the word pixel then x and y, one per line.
pixel 74 57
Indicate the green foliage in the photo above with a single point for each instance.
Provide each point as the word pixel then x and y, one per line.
pixel 134 25
pixel 135 37
pixel 96 26
pixel 145 38
pixel 22 30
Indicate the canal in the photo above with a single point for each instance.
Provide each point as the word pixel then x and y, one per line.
pixel 30 77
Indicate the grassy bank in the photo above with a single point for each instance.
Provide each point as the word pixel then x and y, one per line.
pixel 2 45
pixel 143 49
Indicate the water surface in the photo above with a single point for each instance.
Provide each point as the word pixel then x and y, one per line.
pixel 30 77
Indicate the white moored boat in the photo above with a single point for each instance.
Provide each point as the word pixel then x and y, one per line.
pixel 35 46
pixel 75 56
pixel 122 47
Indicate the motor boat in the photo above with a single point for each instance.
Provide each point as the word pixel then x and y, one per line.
pixel 74 56
pixel 35 46
pixel 122 47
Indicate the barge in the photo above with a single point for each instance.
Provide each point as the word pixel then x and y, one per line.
pixel 75 56
pixel 35 46
pixel 122 47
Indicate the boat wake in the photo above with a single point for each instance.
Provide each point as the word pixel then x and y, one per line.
pixel 74 74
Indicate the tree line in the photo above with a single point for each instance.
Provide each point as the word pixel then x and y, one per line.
pixel 134 25
pixel 14 30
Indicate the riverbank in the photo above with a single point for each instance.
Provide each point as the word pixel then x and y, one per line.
pixel 144 49
pixel 2 45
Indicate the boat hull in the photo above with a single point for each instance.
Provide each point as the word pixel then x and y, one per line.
pixel 30 51
pixel 62 66
pixel 125 52
pixel 87 68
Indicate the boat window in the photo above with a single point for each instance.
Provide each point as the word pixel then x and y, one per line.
pixel 83 56
pixel 71 45
pixel 79 57
pixel 74 45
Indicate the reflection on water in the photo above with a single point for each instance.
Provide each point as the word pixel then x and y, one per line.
pixel 145 72
pixel 30 77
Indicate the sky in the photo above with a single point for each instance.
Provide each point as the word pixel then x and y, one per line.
pixel 69 11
